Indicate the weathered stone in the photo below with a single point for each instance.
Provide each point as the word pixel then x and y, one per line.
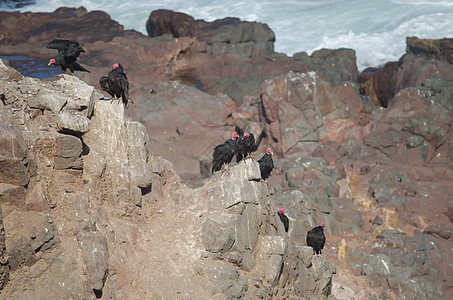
pixel 440 49
pixel 94 248
pixel 218 233
pixel 137 139
pixel 73 122
pixel 273 245
pixel 26 234
pixel 323 275
pixel 307 255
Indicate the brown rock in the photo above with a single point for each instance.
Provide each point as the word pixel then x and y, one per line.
pixel 441 49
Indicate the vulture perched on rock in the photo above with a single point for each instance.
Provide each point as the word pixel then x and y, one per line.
pixel 68 51
pixel 284 218
pixel 245 146
pixel 116 83
pixel 266 164
pixel 316 239
pixel 224 153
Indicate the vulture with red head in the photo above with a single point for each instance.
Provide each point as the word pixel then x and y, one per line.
pixel 224 153
pixel 316 239
pixel 116 83
pixel 245 146
pixel 266 164
pixel 68 51
pixel 284 218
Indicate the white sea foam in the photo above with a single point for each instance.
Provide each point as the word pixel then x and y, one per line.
pixel 377 30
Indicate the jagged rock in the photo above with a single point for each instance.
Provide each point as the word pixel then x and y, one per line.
pixel 322 273
pixel 218 233
pixel 440 230
pixel 229 35
pixel 441 49
pixel 26 240
pixel 115 152
pixel 13 151
pixel 67 152
pixel 95 254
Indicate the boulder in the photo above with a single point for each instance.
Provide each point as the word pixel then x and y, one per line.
pixel 441 49
pixel 228 35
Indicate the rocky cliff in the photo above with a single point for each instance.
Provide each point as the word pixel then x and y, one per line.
pixel 87 213
pixel 368 154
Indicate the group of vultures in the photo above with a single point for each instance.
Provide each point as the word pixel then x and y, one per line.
pixel 117 86
pixel 115 83
pixel 241 146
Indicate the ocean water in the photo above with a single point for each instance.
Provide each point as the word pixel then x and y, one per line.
pixel 376 30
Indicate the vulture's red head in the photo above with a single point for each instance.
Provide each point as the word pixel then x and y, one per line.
pixel 245 136
pixel 269 151
pixel 234 136
pixel 282 211
pixel 51 62
pixel 115 66
pixel 322 225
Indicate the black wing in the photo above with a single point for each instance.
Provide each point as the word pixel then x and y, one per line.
pixel 120 85
pixel 284 220
pixel 70 48
pixel 104 82
pixel 250 144
pixel 75 66
pixel 222 154
pixel 266 165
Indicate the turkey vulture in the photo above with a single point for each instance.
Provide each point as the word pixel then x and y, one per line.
pixel 266 164
pixel 116 83
pixel 316 238
pixel 245 146
pixel 224 153
pixel 284 218
pixel 68 51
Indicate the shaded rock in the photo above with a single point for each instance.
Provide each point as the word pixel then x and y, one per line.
pixel 25 241
pixel 382 84
pixel 441 49
pixel 4 268
pixel 68 149
pixel 439 230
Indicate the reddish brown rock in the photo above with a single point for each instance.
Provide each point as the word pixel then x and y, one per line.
pixel 441 49
pixel 382 84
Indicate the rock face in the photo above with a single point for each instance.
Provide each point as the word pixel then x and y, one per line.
pixel 369 156
pixel 441 49
pixel 103 219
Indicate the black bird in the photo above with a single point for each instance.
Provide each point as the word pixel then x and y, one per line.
pixel 245 146
pixel 284 218
pixel 316 239
pixel 224 153
pixel 116 83
pixel 266 164
pixel 68 51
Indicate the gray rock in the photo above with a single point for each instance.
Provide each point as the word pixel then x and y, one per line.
pixel 218 233
pixel 94 249
pixel 73 122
